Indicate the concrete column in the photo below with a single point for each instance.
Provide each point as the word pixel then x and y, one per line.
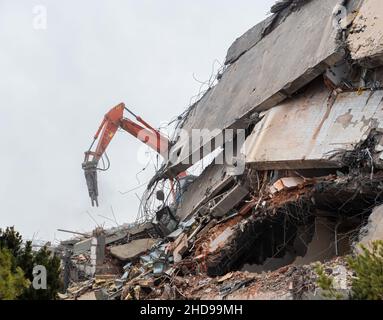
pixel 97 250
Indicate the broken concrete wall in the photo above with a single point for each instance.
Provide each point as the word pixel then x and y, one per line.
pixel 366 34
pixel 307 131
pixel 276 67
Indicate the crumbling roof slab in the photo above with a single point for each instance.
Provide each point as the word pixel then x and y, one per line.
pixel 276 67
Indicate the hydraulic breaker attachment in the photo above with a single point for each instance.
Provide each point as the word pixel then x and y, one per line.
pixel 90 171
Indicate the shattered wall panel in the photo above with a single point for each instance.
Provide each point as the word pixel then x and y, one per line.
pixel 277 66
pixel 366 35
pixel 307 131
pixel 211 181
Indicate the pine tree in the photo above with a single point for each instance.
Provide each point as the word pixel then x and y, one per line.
pixel 12 283
pixel 368 269
pixel 12 241
pixel 23 259
pixel 52 264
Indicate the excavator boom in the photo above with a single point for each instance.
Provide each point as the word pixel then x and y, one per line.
pixel 112 121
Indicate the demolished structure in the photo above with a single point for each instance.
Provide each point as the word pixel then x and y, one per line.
pixel 306 87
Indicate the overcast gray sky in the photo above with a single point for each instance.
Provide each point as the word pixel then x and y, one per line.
pixel 56 84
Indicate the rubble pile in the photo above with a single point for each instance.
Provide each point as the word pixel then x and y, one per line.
pixel 287 283
pixel 306 85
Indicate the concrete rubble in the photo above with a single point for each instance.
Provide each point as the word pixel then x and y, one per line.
pixel 312 184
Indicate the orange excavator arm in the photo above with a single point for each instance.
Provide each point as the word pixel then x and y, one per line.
pixel 112 121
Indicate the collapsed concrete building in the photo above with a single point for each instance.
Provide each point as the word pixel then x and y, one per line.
pixel 306 88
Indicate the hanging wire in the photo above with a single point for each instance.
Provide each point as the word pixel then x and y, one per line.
pixel 134 189
pixel 92 218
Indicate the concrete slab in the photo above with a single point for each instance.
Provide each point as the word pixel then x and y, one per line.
pixel 306 131
pixel 212 180
pixel 132 250
pixel 366 34
pixel 276 67
pixel 229 201
pixel 249 39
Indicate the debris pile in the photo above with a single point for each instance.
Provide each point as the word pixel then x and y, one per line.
pixel 311 108
pixel 287 283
